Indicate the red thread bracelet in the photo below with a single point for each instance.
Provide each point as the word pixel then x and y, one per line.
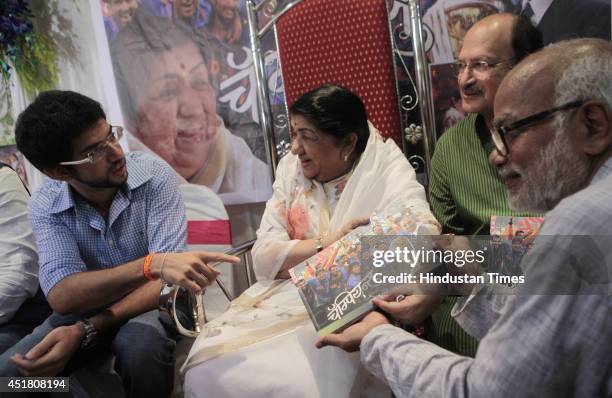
pixel 146 267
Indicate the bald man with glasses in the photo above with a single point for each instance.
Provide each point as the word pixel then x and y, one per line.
pixel 464 189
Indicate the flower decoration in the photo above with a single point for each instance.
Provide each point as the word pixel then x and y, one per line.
pixel 29 49
pixel 413 133
pixel 14 24
pixel 30 53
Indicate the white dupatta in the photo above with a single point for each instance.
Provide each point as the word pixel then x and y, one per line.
pixel 381 176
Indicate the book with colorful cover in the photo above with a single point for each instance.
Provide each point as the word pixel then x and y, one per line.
pixel 336 284
pixel 511 239
pixel 508 227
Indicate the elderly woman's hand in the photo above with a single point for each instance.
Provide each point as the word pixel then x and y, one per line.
pixel 346 228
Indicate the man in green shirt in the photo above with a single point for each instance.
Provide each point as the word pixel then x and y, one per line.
pixel 464 189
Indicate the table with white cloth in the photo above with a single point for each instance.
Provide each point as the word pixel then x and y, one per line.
pixel 286 364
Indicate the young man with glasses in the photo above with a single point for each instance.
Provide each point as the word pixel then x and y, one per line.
pixel 464 190
pixel 551 338
pixel 108 227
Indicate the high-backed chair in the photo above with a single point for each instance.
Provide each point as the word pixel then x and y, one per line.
pixel 353 43
pixel 345 42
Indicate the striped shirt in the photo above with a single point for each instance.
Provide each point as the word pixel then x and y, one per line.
pixel 464 192
pixel 147 215
pixel 464 189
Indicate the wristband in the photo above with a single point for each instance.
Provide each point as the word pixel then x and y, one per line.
pixel 146 267
pixel 161 271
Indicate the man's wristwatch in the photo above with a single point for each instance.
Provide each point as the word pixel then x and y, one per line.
pixel 91 334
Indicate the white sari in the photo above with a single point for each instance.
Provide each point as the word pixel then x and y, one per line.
pixel 263 346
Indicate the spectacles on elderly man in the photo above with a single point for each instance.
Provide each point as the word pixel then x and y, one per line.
pixel 479 67
pixel 114 135
pixel 499 132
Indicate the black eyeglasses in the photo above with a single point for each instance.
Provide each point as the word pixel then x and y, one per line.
pixel 499 133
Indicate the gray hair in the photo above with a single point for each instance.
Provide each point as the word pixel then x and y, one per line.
pixel 584 71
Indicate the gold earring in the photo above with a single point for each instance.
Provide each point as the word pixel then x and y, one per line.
pixel 345 158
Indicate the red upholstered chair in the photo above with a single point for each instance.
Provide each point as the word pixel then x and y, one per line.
pixel 345 42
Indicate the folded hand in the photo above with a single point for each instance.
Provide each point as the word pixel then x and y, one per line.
pixel 49 357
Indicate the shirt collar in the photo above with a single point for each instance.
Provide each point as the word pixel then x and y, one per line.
pixel 483 133
pixel 604 171
pixel 539 8
pixel 137 176
pixel 64 200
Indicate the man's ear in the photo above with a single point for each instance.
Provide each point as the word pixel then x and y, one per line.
pixel 60 173
pixel 597 119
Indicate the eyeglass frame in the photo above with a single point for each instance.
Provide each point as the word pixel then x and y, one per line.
pixel 114 135
pixel 470 65
pixel 498 133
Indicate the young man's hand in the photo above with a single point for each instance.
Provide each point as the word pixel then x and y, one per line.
pixel 49 357
pixel 192 270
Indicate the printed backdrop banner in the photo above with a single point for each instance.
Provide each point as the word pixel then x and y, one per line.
pixel 186 83
pixel 445 23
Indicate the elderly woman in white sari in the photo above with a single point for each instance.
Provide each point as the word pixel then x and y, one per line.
pixel 339 172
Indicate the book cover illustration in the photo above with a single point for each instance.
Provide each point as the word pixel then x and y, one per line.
pixel 337 284
pixel 511 238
